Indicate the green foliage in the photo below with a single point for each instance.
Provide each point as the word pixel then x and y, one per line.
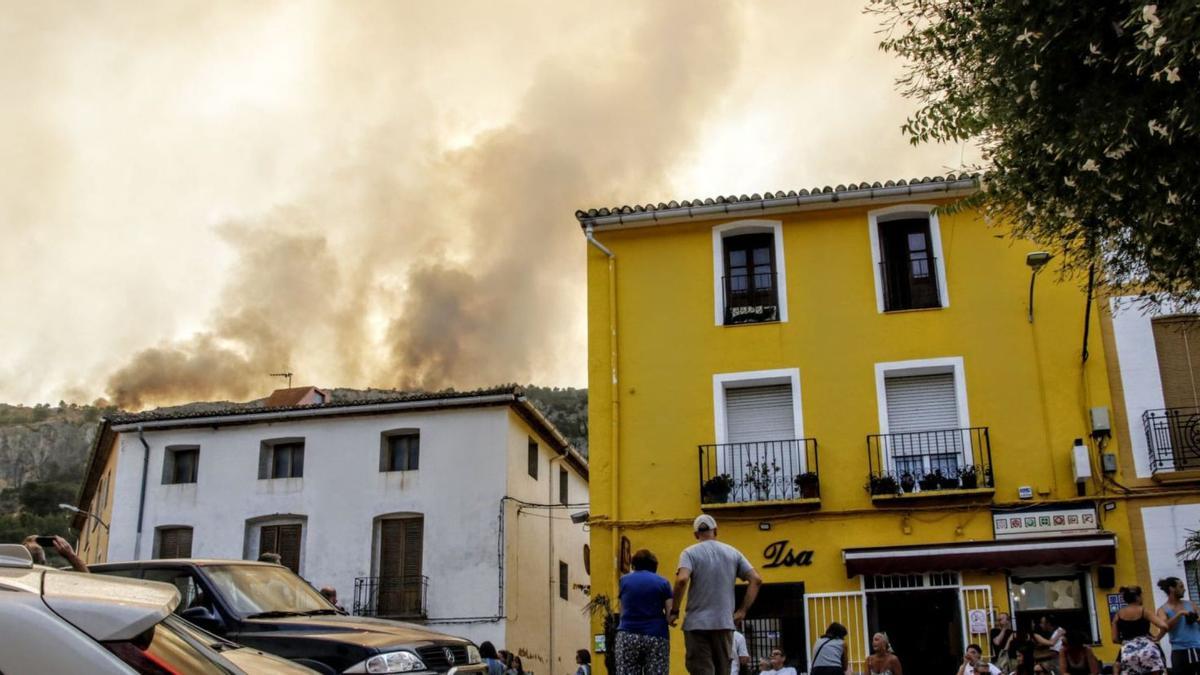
pixel 43 498
pixel 1191 546
pixel 1086 113
pixel 566 408
pixel 15 527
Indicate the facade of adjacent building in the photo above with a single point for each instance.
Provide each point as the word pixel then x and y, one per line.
pixel 853 383
pixel 1155 367
pixel 447 509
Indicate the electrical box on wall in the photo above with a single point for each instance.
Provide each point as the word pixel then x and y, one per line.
pixel 1100 424
pixel 1081 464
pixel 1025 492
pixel 1109 461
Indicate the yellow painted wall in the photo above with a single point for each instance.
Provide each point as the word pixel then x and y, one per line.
pixel 93 541
pixel 532 603
pixel 1025 382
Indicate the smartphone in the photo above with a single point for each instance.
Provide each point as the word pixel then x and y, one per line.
pixel 45 542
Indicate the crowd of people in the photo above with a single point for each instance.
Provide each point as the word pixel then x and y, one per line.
pixel 714 644
pixel 503 662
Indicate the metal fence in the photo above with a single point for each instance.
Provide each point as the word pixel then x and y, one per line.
pixel 763 471
pixel 391 597
pixel 1173 438
pixel 751 298
pixel 925 461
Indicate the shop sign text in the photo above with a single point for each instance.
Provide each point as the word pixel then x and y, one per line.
pixel 779 554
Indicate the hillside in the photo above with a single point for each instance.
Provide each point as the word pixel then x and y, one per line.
pixel 43 450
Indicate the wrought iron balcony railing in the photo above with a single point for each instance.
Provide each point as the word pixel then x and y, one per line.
pixel 762 471
pixel 926 461
pixel 391 597
pixel 910 284
pixel 1173 438
pixel 751 298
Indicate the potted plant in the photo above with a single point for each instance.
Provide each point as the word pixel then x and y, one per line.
pixel 808 485
pixel 884 484
pixel 716 489
pixel 760 476
pixel 908 482
pixel 968 477
pixel 931 481
pixel 948 481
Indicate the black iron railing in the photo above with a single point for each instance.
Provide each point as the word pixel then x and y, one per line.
pixel 925 461
pixel 391 597
pixel 763 471
pixel 1173 438
pixel 751 298
pixel 910 284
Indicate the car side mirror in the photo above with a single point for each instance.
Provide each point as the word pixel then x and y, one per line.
pixel 204 618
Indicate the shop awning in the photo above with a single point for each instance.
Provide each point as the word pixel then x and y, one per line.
pixel 1092 549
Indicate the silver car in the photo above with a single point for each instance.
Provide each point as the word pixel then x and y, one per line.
pixel 54 621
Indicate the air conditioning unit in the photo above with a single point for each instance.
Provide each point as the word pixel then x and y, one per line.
pixel 1081 463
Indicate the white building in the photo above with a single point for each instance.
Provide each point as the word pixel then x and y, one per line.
pixel 447 509
pixel 1158 408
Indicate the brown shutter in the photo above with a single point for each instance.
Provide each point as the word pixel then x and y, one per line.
pixel 1177 342
pixel 400 553
pixel 414 531
pixel 168 541
pixel 184 549
pixel 268 539
pixel 289 546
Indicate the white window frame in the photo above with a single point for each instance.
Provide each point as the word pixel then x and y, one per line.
pixel 884 215
pixel 935 366
pixel 755 378
pixel 719 233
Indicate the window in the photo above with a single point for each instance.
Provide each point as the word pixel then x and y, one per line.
pixel 564 580
pixel 400 451
pixel 283 539
pixel 533 459
pixel 282 458
pixel 909 271
pixel 401 548
pixel 757 418
pixel 1177 346
pixel 923 417
pixel 562 486
pixel 180 465
pixel 173 542
pixel 748 273
pixel 1064 598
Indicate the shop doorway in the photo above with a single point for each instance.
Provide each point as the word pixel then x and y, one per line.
pixel 776 620
pixel 924 626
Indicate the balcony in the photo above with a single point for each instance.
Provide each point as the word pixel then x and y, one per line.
pixel 947 463
pixel 391 597
pixel 750 298
pixel 762 473
pixel 1173 439
pixel 910 284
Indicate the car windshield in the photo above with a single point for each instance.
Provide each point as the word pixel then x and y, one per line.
pixel 265 589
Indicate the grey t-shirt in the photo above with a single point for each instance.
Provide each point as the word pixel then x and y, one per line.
pixel 715 567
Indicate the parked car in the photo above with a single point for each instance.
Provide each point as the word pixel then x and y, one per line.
pixel 266 606
pixel 53 621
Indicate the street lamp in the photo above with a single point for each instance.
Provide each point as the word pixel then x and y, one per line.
pixel 68 507
pixel 1036 261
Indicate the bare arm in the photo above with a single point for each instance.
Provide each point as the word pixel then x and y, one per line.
pixel 897 669
pixel 682 576
pixel 64 549
pixel 1162 614
pixel 1114 629
pixel 1093 664
pixel 751 593
pixel 1156 620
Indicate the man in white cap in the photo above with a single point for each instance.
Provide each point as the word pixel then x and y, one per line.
pixel 711 568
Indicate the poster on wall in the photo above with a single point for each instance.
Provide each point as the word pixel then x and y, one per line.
pixel 977 619
pixel 1046 523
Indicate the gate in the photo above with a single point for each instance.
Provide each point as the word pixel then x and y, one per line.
pixel 848 609
pixel 977 599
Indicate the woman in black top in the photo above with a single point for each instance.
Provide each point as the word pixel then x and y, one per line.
pixel 1140 654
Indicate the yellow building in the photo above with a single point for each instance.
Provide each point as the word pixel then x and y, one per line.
pixel 854 384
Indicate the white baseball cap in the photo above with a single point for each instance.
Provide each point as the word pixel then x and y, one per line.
pixel 704 522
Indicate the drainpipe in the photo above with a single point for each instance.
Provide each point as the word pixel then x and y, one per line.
pixel 137 543
pixel 551 592
pixel 614 457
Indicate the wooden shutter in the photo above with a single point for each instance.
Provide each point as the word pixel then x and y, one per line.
pixel 175 542
pixel 289 546
pixel 1177 343
pixel 921 403
pixel 401 587
pixel 268 539
pixel 759 414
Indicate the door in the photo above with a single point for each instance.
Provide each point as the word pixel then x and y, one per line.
pixel 910 279
pixel 284 540
pixel 924 627
pixel 750 293
pixel 401 586
pixel 848 609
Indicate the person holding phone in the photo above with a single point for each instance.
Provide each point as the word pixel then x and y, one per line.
pixel 1183 625
pixel 37 545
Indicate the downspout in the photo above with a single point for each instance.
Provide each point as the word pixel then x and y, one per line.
pixel 614 508
pixel 550 592
pixel 137 543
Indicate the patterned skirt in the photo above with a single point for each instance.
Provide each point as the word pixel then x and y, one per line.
pixel 1142 656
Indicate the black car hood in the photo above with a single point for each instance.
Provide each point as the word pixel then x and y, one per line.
pixel 363 631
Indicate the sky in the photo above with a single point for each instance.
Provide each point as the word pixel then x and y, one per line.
pixel 194 195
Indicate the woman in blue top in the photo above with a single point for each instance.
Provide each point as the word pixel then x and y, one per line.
pixel 1183 625
pixel 643 647
pixel 487 652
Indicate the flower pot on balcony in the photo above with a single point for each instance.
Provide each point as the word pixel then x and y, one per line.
pixel 808 485
pixel 948 482
pixel 968 478
pixel 930 481
pixel 883 485
pixel 908 482
pixel 716 489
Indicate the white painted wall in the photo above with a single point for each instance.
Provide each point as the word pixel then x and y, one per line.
pixel 1166 528
pixel 458 488
pixel 1138 363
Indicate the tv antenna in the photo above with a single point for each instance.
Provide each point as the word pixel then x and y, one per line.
pixel 287 374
